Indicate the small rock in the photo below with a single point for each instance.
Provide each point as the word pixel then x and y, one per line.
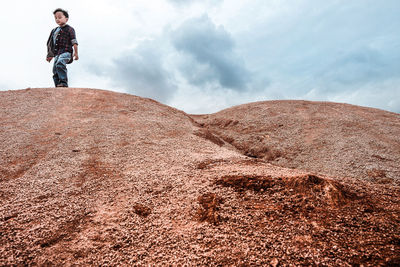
pixel 275 262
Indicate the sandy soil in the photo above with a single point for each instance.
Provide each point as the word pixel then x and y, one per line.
pixel 92 177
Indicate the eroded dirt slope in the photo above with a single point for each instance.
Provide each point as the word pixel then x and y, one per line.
pixel 91 177
pixel 331 138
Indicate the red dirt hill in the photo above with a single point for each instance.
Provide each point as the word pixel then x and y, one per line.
pixel 91 177
pixel 330 138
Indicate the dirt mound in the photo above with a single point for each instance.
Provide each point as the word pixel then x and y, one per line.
pixel 336 139
pixel 311 187
pixel 92 177
pixel 331 192
pixel 239 182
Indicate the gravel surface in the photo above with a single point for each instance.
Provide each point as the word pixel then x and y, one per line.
pixel 92 177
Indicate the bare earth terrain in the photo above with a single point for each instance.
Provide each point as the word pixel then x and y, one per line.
pixel 92 177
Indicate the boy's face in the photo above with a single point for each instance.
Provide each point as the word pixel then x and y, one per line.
pixel 61 20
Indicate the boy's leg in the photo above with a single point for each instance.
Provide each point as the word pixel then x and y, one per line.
pixel 55 75
pixel 61 68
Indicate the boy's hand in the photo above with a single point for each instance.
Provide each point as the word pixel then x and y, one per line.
pixel 49 59
pixel 76 57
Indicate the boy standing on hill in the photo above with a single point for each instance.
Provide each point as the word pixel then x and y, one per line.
pixel 59 47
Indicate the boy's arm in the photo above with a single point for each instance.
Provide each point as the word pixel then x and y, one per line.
pixel 76 57
pixel 50 54
pixel 74 42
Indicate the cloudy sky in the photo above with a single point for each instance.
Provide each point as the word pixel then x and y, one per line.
pixel 202 56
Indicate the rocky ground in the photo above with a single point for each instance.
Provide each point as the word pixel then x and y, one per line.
pixel 91 177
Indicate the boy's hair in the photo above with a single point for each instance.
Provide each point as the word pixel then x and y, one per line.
pixel 65 12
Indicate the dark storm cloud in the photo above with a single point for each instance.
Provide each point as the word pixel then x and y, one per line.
pixel 209 55
pixel 141 72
